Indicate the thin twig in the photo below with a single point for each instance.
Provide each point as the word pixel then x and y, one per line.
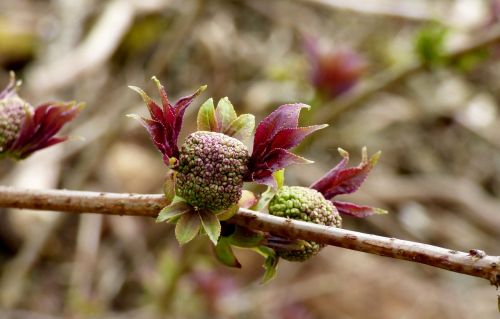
pixel 475 263
pixel 411 11
pixel 389 78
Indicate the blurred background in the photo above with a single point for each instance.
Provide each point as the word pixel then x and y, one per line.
pixel 419 80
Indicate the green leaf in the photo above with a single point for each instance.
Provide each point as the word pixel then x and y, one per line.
pixel 224 253
pixel 247 199
pixel 169 186
pixel 242 127
pixel 173 211
pixel 228 213
pixel 225 114
pixel 246 238
pixel 211 225
pixel 270 263
pixel 279 176
pixel 264 199
pixel 206 120
pixel 187 227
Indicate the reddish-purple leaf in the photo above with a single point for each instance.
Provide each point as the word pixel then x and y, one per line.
pixel 334 72
pixel 276 160
pixel 286 116
pixel 280 158
pixel 358 211
pixel 291 137
pixel 264 177
pixel 166 121
pixel 274 136
pixel 38 130
pixel 342 180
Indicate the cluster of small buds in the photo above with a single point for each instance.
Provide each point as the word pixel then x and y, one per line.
pixel 211 170
pixel 13 112
pixel 305 204
pixel 25 129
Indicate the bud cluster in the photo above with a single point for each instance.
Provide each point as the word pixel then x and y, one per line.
pixel 211 170
pixel 305 204
pixel 13 111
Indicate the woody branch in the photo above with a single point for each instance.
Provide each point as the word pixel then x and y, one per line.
pixel 474 263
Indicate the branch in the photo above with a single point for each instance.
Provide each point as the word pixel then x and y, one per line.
pixel 393 76
pixel 475 263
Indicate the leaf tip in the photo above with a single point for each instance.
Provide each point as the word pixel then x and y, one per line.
pixel 380 211
pixel 375 157
pixel 202 88
pixel 343 152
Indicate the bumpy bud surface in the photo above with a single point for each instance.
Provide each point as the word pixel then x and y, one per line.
pixel 13 111
pixel 305 204
pixel 211 170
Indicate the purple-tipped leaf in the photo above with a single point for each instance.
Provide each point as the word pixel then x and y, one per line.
pixel 166 121
pixel 358 211
pixel 343 180
pixel 276 160
pixel 291 137
pixel 286 116
pixel 38 129
pixel 274 136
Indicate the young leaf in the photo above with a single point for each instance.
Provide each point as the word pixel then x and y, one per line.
pixel 211 225
pixel 225 114
pixel 187 227
pixel 264 199
pixel 246 238
pixel 206 119
pixel 358 211
pixel 241 128
pixel 274 136
pixel 279 176
pixel 169 186
pixel 173 211
pixel 165 123
pixel 345 180
pixel 247 199
pixel 270 263
pixel 228 213
pixel 224 253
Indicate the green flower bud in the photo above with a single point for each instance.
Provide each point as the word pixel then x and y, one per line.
pixel 211 170
pixel 305 204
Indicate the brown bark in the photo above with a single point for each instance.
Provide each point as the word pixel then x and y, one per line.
pixel 474 263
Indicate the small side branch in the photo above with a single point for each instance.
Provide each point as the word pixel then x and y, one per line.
pixel 474 263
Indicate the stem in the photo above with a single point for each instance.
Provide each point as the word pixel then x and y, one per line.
pixel 475 263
